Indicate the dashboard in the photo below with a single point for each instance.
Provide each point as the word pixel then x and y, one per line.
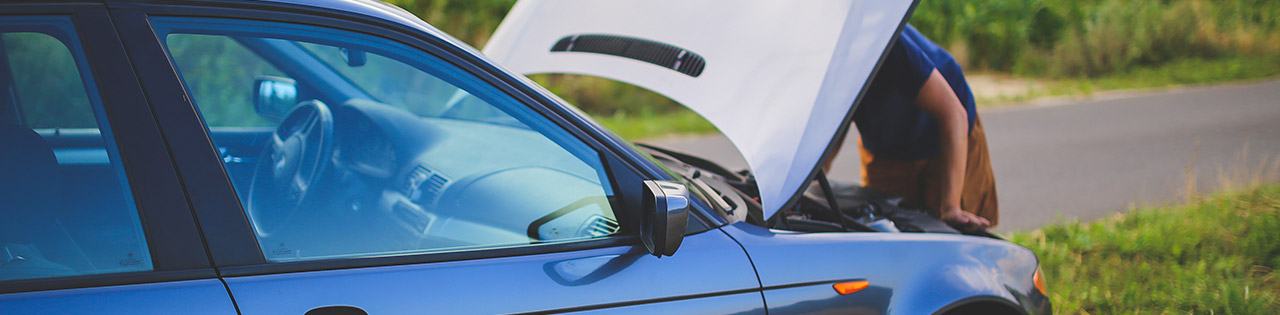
pixel 434 183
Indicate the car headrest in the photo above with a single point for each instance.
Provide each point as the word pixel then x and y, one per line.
pixel 28 177
pixel 26 155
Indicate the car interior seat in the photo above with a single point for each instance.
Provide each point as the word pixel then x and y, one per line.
pixel 33 243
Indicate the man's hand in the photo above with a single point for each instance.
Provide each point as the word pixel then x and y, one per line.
pixel 965 221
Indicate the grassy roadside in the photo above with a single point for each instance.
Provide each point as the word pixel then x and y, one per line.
pixel 1183 72
pixel 1180 73
pixel 650 125
pixel 1218 255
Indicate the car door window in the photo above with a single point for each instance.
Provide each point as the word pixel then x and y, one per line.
pixel 377 148
pixel 67 207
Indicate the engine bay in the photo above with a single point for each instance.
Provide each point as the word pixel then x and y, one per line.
pixel 856 208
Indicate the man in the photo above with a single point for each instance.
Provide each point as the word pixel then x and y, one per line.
pixel 921 136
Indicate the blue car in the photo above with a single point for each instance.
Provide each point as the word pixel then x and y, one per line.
pixel 345 157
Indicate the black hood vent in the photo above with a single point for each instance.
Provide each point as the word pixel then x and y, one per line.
pixel 661 54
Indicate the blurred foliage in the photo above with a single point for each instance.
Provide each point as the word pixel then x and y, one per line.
pixel 1058 39
pixel 46 82
pixel 471 21
pixel 1092 38
pixel 1217 256
pixel 223 94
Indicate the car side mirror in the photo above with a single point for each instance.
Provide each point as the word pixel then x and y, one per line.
pixel 666 206
pixel 274 97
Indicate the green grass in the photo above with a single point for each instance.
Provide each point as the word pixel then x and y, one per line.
pixel 1218 255
pixel 649 125
pixel 1190 72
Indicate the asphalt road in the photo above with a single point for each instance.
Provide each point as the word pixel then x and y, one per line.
pixel 1091 159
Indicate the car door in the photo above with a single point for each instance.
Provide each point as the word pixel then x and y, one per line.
pixel 403 175
pixel 91 219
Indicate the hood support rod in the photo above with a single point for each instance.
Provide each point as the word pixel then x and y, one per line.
pixel 845 221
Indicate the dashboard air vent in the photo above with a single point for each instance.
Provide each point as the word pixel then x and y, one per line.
pixel 598 226
pixel 431 189
pixel 422 186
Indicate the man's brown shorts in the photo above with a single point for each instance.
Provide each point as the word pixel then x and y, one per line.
pixel 917 181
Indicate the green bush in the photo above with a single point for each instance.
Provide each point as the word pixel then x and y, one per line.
pixel 471 21
pixel 1122 35
pixel 990 34
pixel 1092 38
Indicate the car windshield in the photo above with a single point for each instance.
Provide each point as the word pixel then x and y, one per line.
pixel 400 85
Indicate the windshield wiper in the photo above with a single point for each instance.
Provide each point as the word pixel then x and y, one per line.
pixel 720 200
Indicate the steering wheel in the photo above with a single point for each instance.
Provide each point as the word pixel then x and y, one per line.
pixel 292 163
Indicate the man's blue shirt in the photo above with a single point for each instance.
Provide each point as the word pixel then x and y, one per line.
pixel 891 124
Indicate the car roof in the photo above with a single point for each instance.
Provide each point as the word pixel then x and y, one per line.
pixel 370 9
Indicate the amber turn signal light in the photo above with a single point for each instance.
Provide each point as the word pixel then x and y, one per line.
pixel 1039 280
pixel 851 286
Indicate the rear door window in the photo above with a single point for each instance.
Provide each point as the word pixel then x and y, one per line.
pixel 66 208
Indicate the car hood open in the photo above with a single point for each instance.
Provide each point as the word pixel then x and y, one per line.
pixel 778 78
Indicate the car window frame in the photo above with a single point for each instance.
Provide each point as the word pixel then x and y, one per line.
pixel 168 225
pixel 222 219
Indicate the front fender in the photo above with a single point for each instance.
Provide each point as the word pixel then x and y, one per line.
pixel 909 273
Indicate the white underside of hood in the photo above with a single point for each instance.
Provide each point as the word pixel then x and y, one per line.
pixel 779 77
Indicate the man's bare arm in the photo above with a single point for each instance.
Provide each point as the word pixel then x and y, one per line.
pixel 937 99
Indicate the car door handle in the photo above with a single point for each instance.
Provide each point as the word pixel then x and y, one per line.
pixel 337 310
